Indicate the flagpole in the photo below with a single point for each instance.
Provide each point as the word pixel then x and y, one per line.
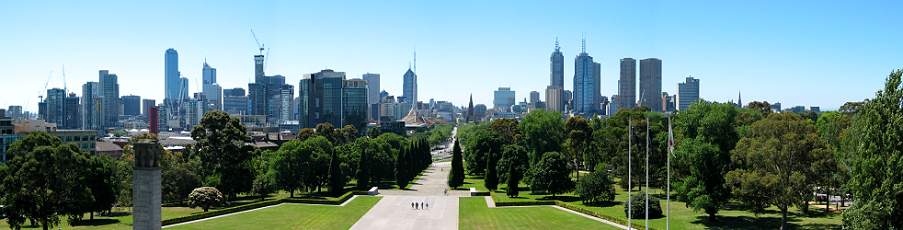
pixel 646 189
pixel 668 167
pixel 629 184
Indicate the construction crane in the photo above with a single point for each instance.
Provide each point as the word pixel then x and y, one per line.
pixel 261 47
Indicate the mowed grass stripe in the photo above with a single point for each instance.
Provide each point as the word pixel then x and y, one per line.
pixel 293 216
pixel 475 215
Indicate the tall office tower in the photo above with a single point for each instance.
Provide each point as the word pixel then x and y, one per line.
pixel 109 93
pixel 285 99
pixel 568 100
pixel 194 108
pixel 687 93
pixel 131 105
pixel 183 89
pixel 585 85
pixel 556 67
pixel 668 102
pixel 146 104
pixel 613 106
pixel 14 112
pixel 597 83
pixel 534 97
pixel 627 84
pixel 354 103
pixel 603 105
pixel 91 104
pixel 410 87
pixel 554 98
pixel 372 95
pixel 172 84
pixel 321 98
pixel 71 113
pixel 211 89
pixel 651 84
pixel 54 106
pixel 235 102
pixel 503 99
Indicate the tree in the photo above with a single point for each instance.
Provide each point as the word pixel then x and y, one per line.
pixel 403 167
pixel 779 152
pixel 289 165
pixel 223 153
pixel 363 172
pixel 264 173
pixel 102 183
pixel 552 174
pixel 179 176
pixel 705 134
pixel 762 107
pixel 205 197
pixel 506 129
pixel 579 135
pixel 513 164
pixel 543 132
pixel 832 128
pixel 456 175
pixel 43 180
pixel 336 178
pixel 703 187
pixel 638 207
pixel 875 159
pixel 491 180
pixel 596 188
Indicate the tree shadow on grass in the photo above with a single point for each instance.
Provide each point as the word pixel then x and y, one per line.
pixel 560 198
pixel 115 214
pixel 603 203
pixel 95 222
pixel 740 222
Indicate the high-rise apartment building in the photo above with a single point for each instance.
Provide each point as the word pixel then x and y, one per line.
pixel 146 105
pixel 72 115
pixel 503 99
pixel 131 105
pixel 354 103
pixel 626 84
pixel 109 93
pixel 235 101
pixel 15 112
pixel 410 87
pixel 54 108
pixel 651 84
pixel 91 104
pixel 687 93
pixel 372 95
pixel 556 77
pixel 326 96
pixel 554 99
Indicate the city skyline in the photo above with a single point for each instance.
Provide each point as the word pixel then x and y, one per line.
pixel 728 56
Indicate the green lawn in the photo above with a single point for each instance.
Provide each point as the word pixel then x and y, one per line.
pixel 475 215
pixel 293 216
pixel 683 217
pixel 120 220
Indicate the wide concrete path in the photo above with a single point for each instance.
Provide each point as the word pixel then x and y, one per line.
pixel 394 210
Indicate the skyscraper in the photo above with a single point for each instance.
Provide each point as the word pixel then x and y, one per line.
pixel 211 89
pixel 626 84
pixel 172 83
pixel 503 99
pixel 687 93
pixel 131 105
pixel 321 98
pixel 146 104
pixel 235 102
pixel 410 87
pixel 651 84
pixel 586 83
pixel 183 89
pixel 55 106
pixel 554 98
pixel 14 112
pixel 109 93
pixel 556 75
pixel 354 103
pixel 72 115
pixel 372 95
pixel 91 104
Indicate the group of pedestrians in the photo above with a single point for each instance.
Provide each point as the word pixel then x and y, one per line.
pixel 420 205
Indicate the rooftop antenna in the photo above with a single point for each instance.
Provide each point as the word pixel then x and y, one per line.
pixel 583 44
pixel 557 47
pixel 415 60
pixel 65 88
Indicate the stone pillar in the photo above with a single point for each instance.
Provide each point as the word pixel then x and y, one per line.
pixel 146 186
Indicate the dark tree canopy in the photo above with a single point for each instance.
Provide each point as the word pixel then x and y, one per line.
pixel 552 174
pixel 456 175
pixel 224 156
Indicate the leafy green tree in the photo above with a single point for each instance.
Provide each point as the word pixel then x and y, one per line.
pixel 336 178
pixel 552 174
pixel 316 165
pixel 513 156
pixel 364 166
pixel 875 159
pixel 382 163
pixel 264 173
pixel 101 181
pixel 289 166
pixel 705 134
pixel 179 176
pixel 506 129
pixel 703 187
pixel 579 136
pixel 779 151
pixel 762 107
pixel 205 197
pixel 221 147
pixel 456 175
pixel 491 180
pixel 833 175
pixel 403 167
pixel 596 188
pixel 43 180
pixel 543 131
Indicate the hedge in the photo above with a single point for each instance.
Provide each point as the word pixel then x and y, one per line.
pixel 524 203
pixel 339 200
pixel 579 209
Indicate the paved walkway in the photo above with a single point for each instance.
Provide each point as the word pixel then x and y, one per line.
pixel 394 210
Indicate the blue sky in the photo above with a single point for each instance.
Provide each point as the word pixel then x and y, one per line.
pixel 794 52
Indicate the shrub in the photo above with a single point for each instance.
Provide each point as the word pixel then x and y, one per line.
pixel 596 188
pixel 205 197
pixel 638 205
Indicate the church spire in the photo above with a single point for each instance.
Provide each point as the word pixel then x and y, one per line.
pixel 739 100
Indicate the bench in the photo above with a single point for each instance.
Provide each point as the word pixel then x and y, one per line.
pixel 474 192
pixel 373 191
